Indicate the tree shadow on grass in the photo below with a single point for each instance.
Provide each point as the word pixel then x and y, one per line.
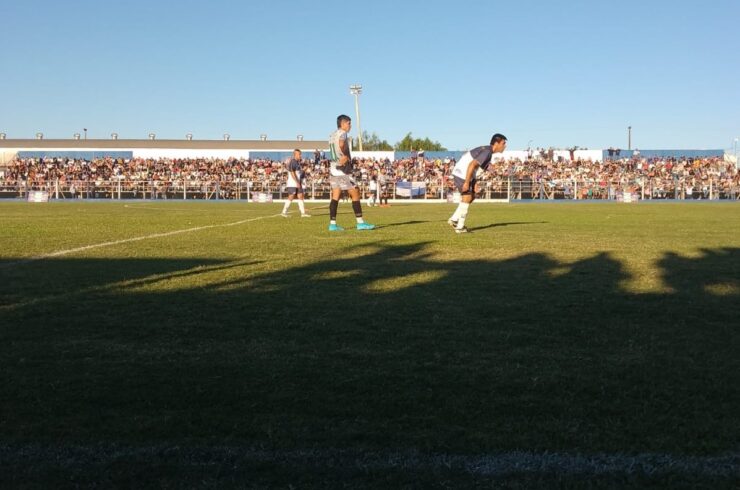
pixel 385 347
pixel 27 282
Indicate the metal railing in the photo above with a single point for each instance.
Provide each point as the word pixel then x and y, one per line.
pixel 432 190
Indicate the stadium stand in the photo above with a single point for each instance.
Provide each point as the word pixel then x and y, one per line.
pixel 660 177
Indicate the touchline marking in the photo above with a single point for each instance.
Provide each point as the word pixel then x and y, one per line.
pixel 60 253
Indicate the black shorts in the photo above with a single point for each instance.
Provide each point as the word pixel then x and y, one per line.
pixel 293 191
pixel 459 185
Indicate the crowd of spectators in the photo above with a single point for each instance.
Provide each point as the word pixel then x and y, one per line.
pixel 540 177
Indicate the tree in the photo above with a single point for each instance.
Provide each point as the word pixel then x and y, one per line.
pixel 371 142
pixel 409 143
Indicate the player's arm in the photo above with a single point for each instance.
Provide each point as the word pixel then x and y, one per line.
pixel 295 178
pixel 344 148
pixel 472 167
pixel 293 168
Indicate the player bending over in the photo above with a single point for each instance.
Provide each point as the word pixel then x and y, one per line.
pixel 341 175
pixel 294 186
pixel 464 174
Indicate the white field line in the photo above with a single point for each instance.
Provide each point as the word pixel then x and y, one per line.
pixel 726 466
pixel 60 253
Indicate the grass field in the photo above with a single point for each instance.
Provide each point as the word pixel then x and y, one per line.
pixel 185 344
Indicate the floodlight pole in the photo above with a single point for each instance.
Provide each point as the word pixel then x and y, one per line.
pixel 356 90
pixel 629 137
pixel 737 164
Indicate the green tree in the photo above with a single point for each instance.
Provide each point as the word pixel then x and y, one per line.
pixel 371 142
pixel 409 143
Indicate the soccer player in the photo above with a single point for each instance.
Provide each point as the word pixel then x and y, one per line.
pixel 464 175
pixel 373 191
pixel 341 175
pixel 383 183
pixel 295 185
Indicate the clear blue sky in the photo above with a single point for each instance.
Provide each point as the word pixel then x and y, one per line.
pixel 557 73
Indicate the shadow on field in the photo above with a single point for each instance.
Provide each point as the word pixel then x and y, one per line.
pixel 404 223
pixel 497 225
pixel 388 350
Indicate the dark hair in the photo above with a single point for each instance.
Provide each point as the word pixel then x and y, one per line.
pixel 342 117
pixel 497 137
pixel 297 150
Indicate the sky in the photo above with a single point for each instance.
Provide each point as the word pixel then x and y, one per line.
pixel 543 73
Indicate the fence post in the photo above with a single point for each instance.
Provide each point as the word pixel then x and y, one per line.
pixel 675 188
pixel 56 188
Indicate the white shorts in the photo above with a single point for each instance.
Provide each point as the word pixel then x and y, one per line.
pixel 343 182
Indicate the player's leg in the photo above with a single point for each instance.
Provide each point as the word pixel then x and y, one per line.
pixel 466 198
pixel 354 194
pixel 452 221
pixel 302 206
pixel 287 202
pixel 465 203
pixel 336 192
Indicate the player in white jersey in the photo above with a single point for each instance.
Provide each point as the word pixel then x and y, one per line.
pixel 464 174
pixel 294 186
pixel 372 199
pixel 341 178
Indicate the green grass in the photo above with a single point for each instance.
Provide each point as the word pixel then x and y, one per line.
pixel 576 329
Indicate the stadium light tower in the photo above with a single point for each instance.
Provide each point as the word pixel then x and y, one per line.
pixel 356 90
pixel 629 137
pixel 737 164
